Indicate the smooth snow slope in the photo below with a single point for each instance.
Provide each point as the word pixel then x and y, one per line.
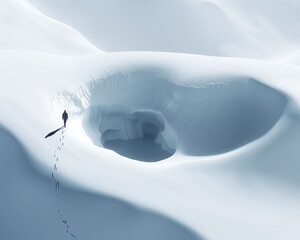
pixel 23 27
pixel 246 28
pixel 28 207
pixel 201 27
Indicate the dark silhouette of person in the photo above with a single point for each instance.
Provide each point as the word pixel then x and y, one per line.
pixel 65 117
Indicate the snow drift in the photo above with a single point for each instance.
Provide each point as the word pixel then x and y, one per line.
pixel 23 27
pixel 251 29
pixel 173 26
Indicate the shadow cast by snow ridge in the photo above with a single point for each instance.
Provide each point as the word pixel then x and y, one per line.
pixel 28 207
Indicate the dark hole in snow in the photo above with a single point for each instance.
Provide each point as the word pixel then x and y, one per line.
pixel 144 148
pixel 135 135
pixel 150 131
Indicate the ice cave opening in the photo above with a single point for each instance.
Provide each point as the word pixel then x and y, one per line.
pixel 138 134
pixel 147 116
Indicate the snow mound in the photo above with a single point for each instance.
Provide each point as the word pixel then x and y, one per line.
pixel 23 27
pixel 222 28
pixel 150 112
pixel 202 27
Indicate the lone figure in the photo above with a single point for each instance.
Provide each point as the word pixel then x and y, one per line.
pixel 65 117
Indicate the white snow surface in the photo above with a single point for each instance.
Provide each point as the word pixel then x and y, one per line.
pixel 24 27
pixel 245 28
pixel 158 145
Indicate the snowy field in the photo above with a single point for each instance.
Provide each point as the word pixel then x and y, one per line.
pixel 184 120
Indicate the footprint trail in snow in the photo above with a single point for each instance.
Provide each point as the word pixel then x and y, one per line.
pixel 57 185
